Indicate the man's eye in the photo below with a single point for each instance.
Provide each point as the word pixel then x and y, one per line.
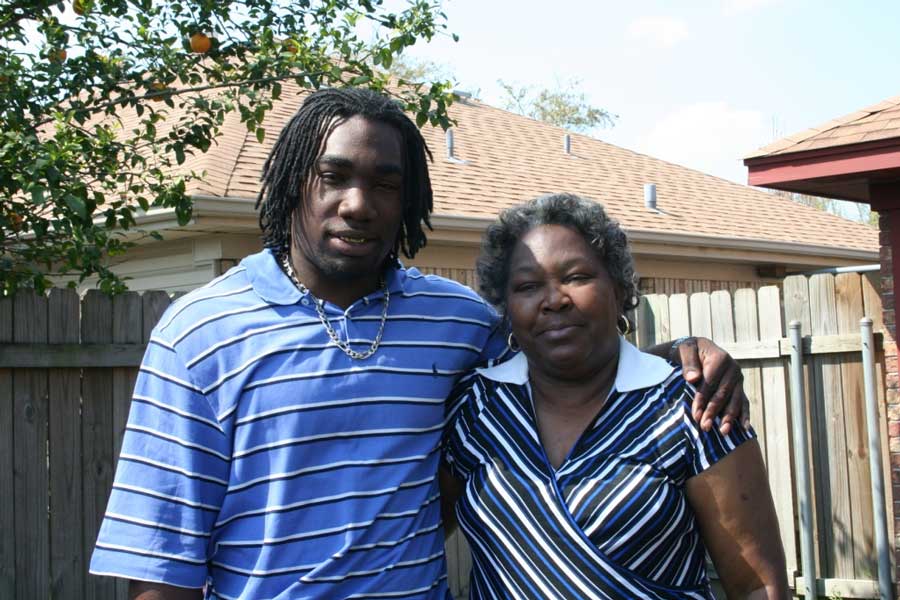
pixel 388 185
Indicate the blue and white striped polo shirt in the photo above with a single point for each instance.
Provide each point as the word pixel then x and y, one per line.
pixel 261 461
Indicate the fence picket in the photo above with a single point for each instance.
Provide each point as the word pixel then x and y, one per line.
pixel 7 462
pixel 722 317
pixel 32 493
pixel 872 300
pixel 778 423
pixel 67 564
pixel 127 328
pixel 796 307
pixel 154 304
pixel 679 316
pixel 653 320
pixel 830 425
pixel 97 434
pixel 873 309
pixel 849 300
pixel 746 328
pixel 701 324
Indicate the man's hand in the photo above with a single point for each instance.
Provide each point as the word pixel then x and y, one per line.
pixel 719 383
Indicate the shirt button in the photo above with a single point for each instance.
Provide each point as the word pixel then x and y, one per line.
pixel 366 301
pixel 305 302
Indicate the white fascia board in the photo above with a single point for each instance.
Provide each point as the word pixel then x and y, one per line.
pixel 768 246
pixel 479 224
pixel 235 207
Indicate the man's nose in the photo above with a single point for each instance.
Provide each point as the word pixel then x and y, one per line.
pixel 357 204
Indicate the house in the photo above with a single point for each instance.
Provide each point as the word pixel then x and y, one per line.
pixel 698 233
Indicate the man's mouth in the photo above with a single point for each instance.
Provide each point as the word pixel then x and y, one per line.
pixel 352 240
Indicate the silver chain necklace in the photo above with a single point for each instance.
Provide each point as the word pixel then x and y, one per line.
pixel 320 311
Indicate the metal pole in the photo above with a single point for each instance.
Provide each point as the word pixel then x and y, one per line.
pixel 875 467
pixel 801 460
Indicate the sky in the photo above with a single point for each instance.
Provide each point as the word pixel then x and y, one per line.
pixel 700 83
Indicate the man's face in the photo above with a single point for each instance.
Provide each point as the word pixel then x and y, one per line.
pixel 350 212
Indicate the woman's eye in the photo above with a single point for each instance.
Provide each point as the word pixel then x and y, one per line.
pixel 524 287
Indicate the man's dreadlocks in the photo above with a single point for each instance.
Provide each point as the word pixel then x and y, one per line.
pixel 294 155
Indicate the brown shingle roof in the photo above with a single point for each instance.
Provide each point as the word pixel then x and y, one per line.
pixel 878 122
pixel 510 158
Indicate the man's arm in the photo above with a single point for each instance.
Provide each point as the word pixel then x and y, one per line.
pixel 148 590
pixel 717 377
pixel 160 514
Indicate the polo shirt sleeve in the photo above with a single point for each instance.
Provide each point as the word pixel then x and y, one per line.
pixel 706 448
pixel 170 479
pixel 495 347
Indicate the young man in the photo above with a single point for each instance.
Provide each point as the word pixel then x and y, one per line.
pixel 284 434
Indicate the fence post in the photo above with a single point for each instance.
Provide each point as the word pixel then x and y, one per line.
pixel 804 491
pixel 878 508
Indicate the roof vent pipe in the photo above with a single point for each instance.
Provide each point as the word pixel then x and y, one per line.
pixel 450 143
pixel 567 143
pixel 650 195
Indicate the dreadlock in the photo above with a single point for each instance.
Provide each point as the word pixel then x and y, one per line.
pixel 291 161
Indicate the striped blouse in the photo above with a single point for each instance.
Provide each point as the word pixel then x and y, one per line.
pixel 613 520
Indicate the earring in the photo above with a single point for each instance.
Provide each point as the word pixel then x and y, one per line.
pixel 626 329
pixel 512 343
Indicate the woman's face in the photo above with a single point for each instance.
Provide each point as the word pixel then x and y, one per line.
pixel 562 303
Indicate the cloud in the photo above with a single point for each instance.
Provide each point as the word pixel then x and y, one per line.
pixel 661 32
pixel 712 137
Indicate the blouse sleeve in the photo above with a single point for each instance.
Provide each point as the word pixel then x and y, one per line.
pixel 706 448
pixel 463 406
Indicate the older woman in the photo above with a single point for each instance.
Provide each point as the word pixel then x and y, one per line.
pixel 581 471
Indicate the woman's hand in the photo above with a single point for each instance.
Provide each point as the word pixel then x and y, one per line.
pixel 737 520
pixel 717 377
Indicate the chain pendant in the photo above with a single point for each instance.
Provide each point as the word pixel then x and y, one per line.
pixel 326 323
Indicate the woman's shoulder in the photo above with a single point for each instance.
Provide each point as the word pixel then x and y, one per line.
pixel 487 386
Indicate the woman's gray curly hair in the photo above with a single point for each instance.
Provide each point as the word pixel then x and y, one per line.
pixel 588 218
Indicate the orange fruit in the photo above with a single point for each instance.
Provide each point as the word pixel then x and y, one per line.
pixel 158 86
pixel 15 220
pixel 200 43
pixel 79 7
pixel 57 55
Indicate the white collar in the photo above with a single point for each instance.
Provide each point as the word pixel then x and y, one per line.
pixel 636 369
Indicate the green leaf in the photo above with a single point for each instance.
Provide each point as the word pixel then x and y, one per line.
pixel 360 80
pixel 421 119
pixel 260 134
pixel 77 205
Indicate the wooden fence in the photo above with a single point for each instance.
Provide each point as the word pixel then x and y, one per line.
pixel 67 366
pixel 752 326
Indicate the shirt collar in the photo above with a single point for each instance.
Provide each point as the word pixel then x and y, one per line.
pixel 272 285
pixel 636 369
